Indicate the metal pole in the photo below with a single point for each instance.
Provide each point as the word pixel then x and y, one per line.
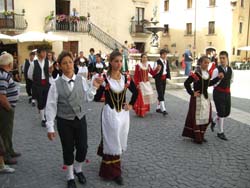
pixel 248 28
pixel 195 15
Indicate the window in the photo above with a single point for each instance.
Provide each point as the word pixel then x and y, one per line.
pixel 139 16
pixel 189 28
pixel 240 27
pixel 189 3
pixel 166 29
pixel 166 5
pixel 212 2
pixel 211 28
pixel 233 53
pixel 62 7
pixel 242 3
pixel 6 5
pixel 238 52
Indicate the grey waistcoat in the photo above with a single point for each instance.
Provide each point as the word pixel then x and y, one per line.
pixel 70 104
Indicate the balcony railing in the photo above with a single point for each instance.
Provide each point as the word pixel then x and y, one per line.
pixel 70 24
pixel 67 23
pixel 13 21
pixel 138 27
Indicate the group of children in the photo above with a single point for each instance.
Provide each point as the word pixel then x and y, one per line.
pixel 64 101
pixel 199 115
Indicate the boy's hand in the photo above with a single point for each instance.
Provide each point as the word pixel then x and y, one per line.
pixel 51 135
pixel 221 75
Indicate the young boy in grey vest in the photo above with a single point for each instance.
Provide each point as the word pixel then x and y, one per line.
pixel 66 103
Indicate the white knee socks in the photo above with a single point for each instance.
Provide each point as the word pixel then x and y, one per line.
pixel 42 115
pixel 78 166
pixel 70 172
pixel 221 124
pixel 158 106
pixel 162 104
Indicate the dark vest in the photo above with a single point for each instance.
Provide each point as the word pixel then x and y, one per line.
pixel 226 81
pixel 26 68
pixel 37 73
pixel 158 76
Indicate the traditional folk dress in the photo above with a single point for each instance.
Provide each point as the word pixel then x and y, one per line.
pixel 115 125
pixel 145 90
pixel 199 113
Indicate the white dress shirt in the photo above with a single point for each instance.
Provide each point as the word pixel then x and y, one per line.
pixel 31 69
pixel 51 105
pixel 216 73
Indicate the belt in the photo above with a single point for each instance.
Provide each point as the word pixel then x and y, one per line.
pixel 221 89
pixel 164 77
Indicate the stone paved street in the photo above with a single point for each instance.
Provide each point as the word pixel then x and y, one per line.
pixel 157 156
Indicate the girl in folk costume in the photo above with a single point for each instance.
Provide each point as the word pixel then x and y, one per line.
pixel 145 90
pixel 115 119
pixel 199 113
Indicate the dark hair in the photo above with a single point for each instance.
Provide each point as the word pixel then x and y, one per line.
pixel 64 54
pixel 91 50
pixel 40 49
pixel 143 54
pixel 98 55
pixel 112 56
pixel 201 59
pixel 32 53
pixel 162 51
pixel 223 53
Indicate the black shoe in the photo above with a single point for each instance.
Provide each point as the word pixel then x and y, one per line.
pixel 81 177
pixel 30 100
pixel 212 126
pixel 119 180
pixel 43 123
pixel 71 183
pixel 222 136
pixel 164 113
pixel 158 111
pixel 15 154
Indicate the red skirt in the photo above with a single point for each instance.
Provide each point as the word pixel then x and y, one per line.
pixel 192 130
pixel 111 165
pixel 139 107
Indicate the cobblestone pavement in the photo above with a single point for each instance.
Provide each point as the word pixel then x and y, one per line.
pixel 157 156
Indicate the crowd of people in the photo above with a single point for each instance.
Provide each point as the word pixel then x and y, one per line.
pixel 59 86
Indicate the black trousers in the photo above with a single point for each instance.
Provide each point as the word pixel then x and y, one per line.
pixel 29 87
pixel 73 135
pixel 40 93
pixel 222 103
pixel 160 88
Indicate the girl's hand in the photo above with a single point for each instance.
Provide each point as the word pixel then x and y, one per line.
pixel 127 107
pixel 97 82
pixel 197 94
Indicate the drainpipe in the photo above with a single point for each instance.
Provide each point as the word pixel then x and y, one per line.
pixel 248 29
pixel 195 12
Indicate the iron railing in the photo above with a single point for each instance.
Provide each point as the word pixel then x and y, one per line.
pixel 13 21
pixel 84 27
